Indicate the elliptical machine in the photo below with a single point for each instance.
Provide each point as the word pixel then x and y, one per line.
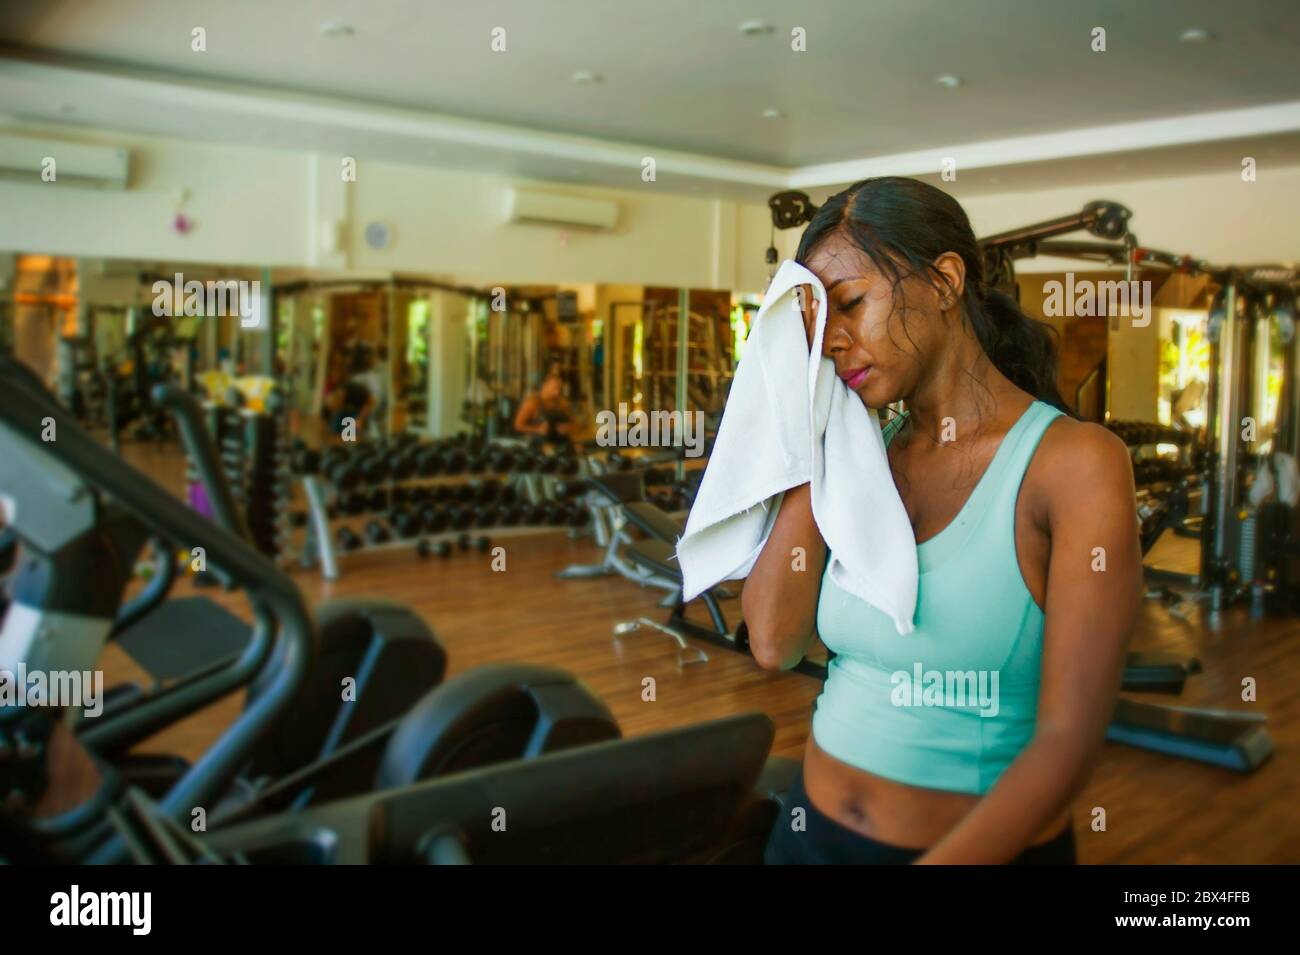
pixel 81 517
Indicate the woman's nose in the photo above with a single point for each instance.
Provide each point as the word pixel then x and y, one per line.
pixel 835 338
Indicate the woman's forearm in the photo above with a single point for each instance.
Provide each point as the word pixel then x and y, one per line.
pixel 779 601
pixel 1033 791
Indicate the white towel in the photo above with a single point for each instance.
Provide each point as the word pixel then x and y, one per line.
pixel 790 420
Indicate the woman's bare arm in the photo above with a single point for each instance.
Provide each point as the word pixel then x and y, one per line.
pixel 524 416
pixel 1094 590
pixel 780 596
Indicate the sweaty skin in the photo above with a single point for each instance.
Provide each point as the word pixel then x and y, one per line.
pixel 924 352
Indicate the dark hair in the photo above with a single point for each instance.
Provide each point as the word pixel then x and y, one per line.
pixel 904 224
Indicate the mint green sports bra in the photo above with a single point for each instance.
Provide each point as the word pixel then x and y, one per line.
pixel 950 705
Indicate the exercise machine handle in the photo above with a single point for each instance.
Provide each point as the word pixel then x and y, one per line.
pixel 23 405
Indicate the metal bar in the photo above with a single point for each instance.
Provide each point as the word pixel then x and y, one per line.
pixel 390 403
pixel 683 363
pixel 319 526
pixel 1225 467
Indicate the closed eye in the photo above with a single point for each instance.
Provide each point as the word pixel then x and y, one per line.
pixel 845 307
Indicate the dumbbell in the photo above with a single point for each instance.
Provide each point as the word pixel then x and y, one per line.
pixel 346 539
pixel 487 491
pixel 508 515
pixel 406 521
pixel 481 544
pixel 567 490
pixel 566 464
pixel 507 494
pixel 297 518
pixel 454 461
pixel 352 503
pixel 306 461
pixel 377 500
pixel 501 461
pixel 424 548
pixel 428 460
pixel 461 516
pixel 377 533
pixel 403 463
pixel 486 515
pixel 374 467
pixel 463 542
pixel 435 518
pixel 343 474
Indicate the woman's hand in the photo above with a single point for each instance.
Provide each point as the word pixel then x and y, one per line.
pixel 808 305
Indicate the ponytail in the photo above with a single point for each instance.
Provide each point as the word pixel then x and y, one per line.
pixel 1022 348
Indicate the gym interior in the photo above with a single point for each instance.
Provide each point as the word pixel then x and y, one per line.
pixel 363 362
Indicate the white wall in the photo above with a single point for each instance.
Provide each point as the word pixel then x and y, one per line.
pixel 258 207
pixel 254 206
pixel 248 205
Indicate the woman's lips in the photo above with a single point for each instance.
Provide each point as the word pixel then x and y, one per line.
pixel 854 378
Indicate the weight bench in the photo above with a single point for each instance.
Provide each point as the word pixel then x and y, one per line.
pixel 660 559
pixel 617 502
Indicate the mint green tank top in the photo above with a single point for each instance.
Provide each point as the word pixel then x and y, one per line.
pixel 950 705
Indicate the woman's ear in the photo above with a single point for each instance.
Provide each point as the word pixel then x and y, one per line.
pixel 952 278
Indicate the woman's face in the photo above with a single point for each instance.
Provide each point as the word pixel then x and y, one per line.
pixel 881 343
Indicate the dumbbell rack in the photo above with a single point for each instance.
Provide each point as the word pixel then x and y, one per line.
pixel 254 455
pixel 320 548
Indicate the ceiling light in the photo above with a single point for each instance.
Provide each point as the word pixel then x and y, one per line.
pixel 335 30
pixel 1195 35
pixel 587 78
pixel 755 27
pixel 948 81
pixel 770 113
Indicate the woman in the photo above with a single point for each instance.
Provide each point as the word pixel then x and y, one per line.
pixel 348 400
pixel 546 412
pixel 1027 546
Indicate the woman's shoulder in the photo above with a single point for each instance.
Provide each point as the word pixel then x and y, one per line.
pixel 1082 459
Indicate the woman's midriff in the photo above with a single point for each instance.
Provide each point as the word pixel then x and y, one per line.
pixel 894 813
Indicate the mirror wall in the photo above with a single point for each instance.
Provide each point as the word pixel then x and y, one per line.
pixel 435 356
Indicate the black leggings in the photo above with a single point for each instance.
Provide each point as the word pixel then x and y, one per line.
pixel 824 841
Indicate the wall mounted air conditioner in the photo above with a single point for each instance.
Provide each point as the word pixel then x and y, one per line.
pixel 547 208
pixel 23 159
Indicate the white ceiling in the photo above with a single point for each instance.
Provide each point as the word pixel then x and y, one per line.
pixel 418 82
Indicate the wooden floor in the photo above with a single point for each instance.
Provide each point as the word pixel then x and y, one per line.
pixel 1158 809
